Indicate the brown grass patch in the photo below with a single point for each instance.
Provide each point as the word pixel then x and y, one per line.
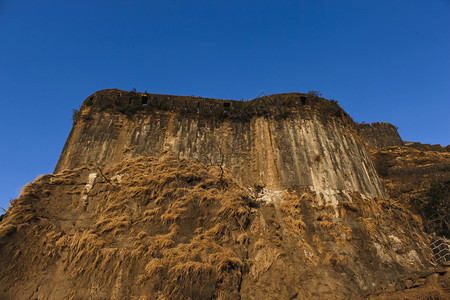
pixel 168 222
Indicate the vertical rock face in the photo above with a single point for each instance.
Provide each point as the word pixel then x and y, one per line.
pixel 281 141
pixel 379 135
pixel 151 199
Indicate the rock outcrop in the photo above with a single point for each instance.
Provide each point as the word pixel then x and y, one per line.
pixel 378 135
pixel 280 141
pixel 427 147
pixel 170 197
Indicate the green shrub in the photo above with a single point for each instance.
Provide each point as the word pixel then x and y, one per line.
pixel 315 93
pixel 75 115
pixel 434 206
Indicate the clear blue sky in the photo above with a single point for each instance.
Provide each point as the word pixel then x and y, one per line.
pixel 385 60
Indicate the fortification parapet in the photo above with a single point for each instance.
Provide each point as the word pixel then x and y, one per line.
pixel 427 147
pixel 280 141
pixel 379 135
pixel 277 105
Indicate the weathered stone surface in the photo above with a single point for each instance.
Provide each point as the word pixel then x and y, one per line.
pixel 379 135
pixel 427 147
pixel 299 148
pixel 312 225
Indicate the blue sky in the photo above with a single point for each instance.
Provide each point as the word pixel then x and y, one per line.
pixel 386 60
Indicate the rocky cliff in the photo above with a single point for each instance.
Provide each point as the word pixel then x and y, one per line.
pixel 169 197
pixel 279 141
pixel 378 135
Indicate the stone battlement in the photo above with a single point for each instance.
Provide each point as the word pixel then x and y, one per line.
pixel 277 105
pixel 379 135
pixel 281 141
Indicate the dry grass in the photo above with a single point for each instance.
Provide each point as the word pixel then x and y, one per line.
pixel 291 208
pixel 168 222
pixel 370 226
pixel 171 229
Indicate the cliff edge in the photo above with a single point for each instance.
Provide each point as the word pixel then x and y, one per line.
pixel 280 197
pixel 280 141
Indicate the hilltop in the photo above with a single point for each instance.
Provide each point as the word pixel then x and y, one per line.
pixel 173 197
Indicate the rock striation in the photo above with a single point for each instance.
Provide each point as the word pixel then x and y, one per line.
pixel 280 141
pixel 172 197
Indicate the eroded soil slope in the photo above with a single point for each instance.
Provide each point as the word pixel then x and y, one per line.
pixel 163 228
pixel 407 173
pixel 144 228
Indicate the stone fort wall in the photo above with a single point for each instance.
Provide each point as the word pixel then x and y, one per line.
pixel 379 135
pixel 281 141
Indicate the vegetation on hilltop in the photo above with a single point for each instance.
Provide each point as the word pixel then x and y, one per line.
pixel 279 106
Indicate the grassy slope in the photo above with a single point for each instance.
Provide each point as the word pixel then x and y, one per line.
pixel 176 229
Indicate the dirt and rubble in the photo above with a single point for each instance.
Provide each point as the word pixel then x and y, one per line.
pixel 164 228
